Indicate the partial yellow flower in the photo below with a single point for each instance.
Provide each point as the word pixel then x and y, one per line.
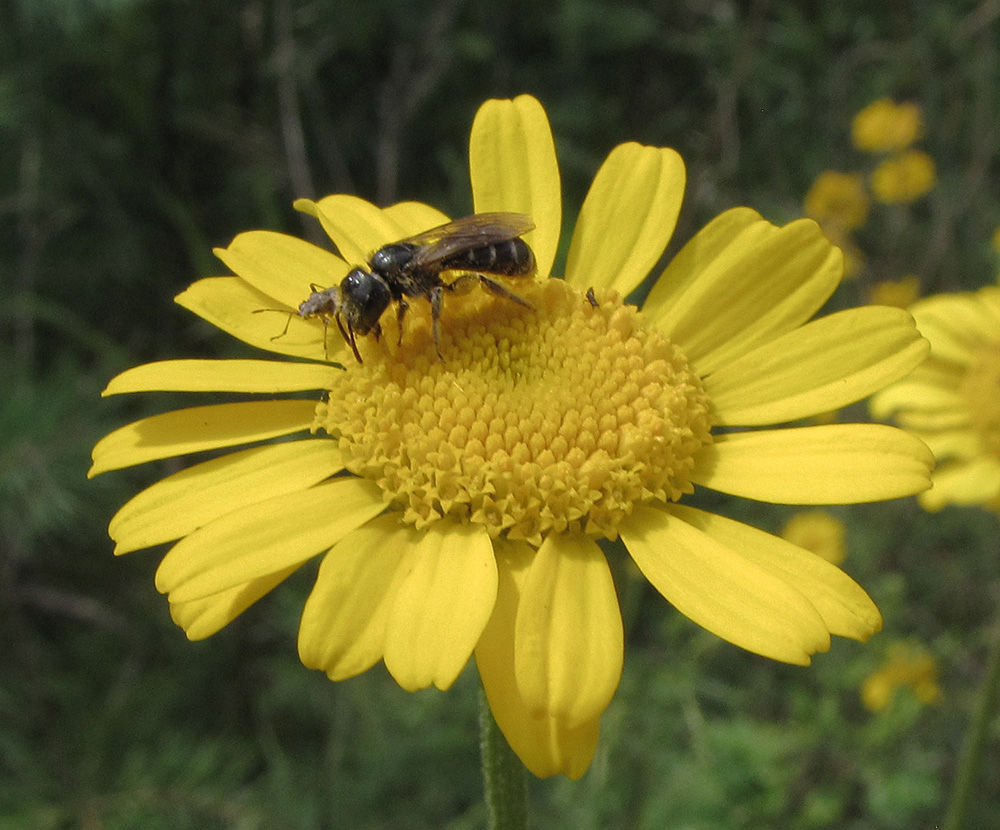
pixel 906 666
pixel 457 501
pixel 838 199
pixel 885 126
pixel 951 402
pixel 900 293
pixel 818 531
pixel 904 177
pixel 995 240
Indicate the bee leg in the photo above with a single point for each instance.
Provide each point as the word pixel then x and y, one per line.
pixel 326 335
pixel 401 307
pixel 436 296
pixel 464 284
pixel 496 288
pixel 349 338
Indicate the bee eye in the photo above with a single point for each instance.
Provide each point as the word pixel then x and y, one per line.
pixel 353 281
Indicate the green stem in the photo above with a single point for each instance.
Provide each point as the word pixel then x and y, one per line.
pixel 504 779
pixel 975 739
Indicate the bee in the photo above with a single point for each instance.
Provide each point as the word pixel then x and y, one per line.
pixel 483 245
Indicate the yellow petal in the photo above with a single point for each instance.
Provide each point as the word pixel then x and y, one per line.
pixel 958 443
pixel 956 324
pixel 822 366
pixel 546 745
pixel 721 590
pixel 936 420
pixel 831 464
pixel 744 284
pixel 282 266
pixel 964 482
pixel 846 609
pixel 915 392
pixel 233 306
pixel 343 623
pixel 258 376
pixel 184 501
pixel 265 537
pixel 415 217
pixel 359 228
pixel 201 618
pixel 627 218
pixel 698 256
pixel 568 638
pixel 199 428
pixel 512 162
pixel 441 605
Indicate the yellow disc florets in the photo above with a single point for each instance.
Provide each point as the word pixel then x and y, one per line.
pixel 564 416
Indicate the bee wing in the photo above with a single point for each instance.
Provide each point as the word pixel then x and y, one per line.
pixel 463 234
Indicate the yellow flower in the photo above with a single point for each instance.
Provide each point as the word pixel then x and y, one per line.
pixel 951 401
pixel 905 665
pixel 899 293
pixel 456 501
pixel 818 531
pixel 838 200
pixel 885 126
pixel 903 177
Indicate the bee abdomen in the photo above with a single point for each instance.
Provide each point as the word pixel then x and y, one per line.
pixel 512 258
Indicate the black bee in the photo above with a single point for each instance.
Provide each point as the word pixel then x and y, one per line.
pixel 483 244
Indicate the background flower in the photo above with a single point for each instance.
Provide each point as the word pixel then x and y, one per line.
pixel 950 402
pixel 838 200
pixel 905 666
pixel 903 177
pixel 885 125
pixel 818 531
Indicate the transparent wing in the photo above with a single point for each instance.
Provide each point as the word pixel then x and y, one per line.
pixel 467 233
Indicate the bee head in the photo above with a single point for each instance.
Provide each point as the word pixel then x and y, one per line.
pixel 363 298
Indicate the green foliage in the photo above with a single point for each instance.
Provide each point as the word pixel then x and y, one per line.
pixel 137 134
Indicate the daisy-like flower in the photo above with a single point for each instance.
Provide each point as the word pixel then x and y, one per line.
pixel 887 126
pixel 457 501
pixel 817 531
pixel 951 401
pixel 906 666
pixel 838 200
pixel 904 177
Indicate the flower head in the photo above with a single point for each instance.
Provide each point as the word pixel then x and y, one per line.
pixel 838 200
pixel 951 401
pixel 904 177
pixel 885 126
pixel 906 666
pixel 458 499
pixel 818 531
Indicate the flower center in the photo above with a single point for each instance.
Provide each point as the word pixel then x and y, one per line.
pixel 564 416
pixel 981 388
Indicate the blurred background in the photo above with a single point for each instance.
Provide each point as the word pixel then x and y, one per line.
pixel 137 134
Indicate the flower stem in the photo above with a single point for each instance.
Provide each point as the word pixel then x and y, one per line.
pixel 504 779
pixel 975 738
